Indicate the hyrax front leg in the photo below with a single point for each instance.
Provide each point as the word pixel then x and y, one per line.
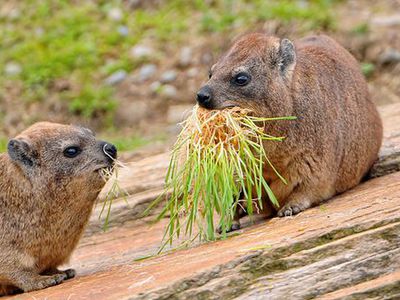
pixel 31 281
pixel 239 213
pixel 297 202
pixel 305 196
pixel 242 211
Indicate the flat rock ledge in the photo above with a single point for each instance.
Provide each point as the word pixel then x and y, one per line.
pixel 346 248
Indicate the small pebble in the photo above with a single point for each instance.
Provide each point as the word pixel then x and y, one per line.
pixel 169 91
pixel 207 58
pixel 390 56
pixel 116 77
pixel 115 14
pixel 185 57
pixel 192 72
pixel 155 86
pixel 147 71
pixel 140 51
pixel 12 69
pixel 39 31
pixel 168 76
pixel 14 14
pixel 123 30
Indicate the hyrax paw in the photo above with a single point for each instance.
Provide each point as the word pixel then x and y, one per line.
pixel 289 210
pixel 52 280
pixel 56 279
pixel 70 273
pixel 235 226
pixel 45 282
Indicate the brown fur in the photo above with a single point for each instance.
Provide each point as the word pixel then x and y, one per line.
pixel 45 203
pixel 337 136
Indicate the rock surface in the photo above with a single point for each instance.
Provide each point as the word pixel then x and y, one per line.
pixel 347 248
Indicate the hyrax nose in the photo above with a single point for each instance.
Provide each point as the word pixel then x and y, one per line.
pixel 204 97
pixel 110 150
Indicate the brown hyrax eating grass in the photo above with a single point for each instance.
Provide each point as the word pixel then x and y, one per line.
pixel 49 180
pixel 338 133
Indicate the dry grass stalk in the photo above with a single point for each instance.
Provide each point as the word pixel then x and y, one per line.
pixel 115 191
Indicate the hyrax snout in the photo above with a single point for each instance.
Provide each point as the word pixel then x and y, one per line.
pixel 49 180
pixel 338 132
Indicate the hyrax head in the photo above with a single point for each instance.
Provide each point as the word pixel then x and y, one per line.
pixel 255 74
pixel 48 152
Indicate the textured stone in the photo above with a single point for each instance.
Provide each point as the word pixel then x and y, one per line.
pixel 347 248
pixel 331 241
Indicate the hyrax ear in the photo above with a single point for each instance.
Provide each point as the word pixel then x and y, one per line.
pixel 21 152
pixel 287 58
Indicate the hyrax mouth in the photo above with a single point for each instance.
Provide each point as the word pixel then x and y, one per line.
pixel 106 172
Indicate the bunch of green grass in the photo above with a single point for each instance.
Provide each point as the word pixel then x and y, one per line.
pixel 218 157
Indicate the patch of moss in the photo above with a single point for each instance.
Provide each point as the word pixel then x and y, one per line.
pixel 367 69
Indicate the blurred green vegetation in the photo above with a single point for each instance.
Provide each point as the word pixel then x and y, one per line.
pixel 3 144
pixel 361 29
pixel 125 143
pixel 367 69
pixel 314 14
pixel 78 42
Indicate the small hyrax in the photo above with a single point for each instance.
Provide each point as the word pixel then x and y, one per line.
pixel 338 131
pixel 49 180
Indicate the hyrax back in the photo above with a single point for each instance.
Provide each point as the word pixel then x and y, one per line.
pixel 338 133
pixel 49 180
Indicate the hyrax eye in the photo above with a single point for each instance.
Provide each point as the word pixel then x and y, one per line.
pixel 241 79
pixel 72 152
pixel 209 74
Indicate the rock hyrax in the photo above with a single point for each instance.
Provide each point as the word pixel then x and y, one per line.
pixel 338 133
pixel 49 180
